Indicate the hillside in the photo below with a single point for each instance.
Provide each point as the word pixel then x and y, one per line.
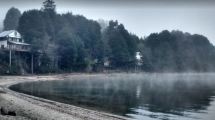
pixel 179 52
pixel 73 43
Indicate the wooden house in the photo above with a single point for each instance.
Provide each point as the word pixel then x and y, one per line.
pixel 12 40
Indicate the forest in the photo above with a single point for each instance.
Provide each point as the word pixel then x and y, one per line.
pixel 65 43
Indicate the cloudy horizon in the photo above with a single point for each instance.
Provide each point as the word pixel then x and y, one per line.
pixel 141 17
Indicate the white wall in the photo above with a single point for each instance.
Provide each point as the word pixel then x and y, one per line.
pixel 4 43
pixel 17 35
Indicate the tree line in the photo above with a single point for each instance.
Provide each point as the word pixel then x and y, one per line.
pixel 177 51
pixel 68 43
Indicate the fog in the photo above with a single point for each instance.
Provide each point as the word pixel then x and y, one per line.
pixel 139 96
pixel 141 17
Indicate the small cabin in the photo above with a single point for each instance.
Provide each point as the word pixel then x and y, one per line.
pixel 12 40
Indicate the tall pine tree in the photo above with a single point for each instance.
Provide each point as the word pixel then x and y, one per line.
pixel 49 5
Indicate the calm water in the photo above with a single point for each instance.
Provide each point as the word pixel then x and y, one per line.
pixel 136 96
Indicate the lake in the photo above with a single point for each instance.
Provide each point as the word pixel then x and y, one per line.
pixel 136 96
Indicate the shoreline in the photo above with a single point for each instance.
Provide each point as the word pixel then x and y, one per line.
pixel 29 107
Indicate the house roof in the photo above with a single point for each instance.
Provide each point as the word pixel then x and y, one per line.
pixel 6 33
pixel 18 43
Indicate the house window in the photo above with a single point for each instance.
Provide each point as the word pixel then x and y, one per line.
pixel 2 46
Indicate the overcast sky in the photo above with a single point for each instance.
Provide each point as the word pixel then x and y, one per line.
pixel 141 17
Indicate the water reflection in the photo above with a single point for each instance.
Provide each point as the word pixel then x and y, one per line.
pixel 155 96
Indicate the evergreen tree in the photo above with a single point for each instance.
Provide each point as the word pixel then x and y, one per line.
pixel 49 5
pixel 122 46
pixel 12 19
pixel 70 51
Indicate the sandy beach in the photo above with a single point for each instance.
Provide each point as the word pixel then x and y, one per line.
pixel 18 106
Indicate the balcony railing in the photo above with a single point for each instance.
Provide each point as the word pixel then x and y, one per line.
pixel 20 49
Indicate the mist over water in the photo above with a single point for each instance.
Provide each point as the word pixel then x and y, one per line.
pixel 136 96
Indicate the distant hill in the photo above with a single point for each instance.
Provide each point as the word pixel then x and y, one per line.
pixel 178 51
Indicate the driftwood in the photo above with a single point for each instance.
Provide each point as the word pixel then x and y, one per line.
pixel 7 112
